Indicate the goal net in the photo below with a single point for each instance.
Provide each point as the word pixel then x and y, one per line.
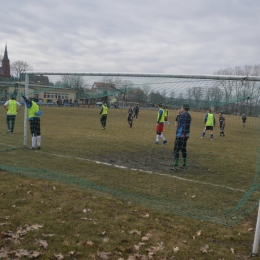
pixel 220 182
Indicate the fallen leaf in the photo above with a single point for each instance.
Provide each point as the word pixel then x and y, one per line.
pixel 205 249
pixel 42 243
pixel 104 255
pixel 135 232
pixel 105 239
pixel 71 253
pixel 59 256
pixel 199 233
pixel 4 253
pixel 54 188
pixel 176 249
pixel 90 243
pixel 232 250
pixel 48 235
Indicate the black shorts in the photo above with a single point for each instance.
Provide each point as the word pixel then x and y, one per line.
pixel 209 127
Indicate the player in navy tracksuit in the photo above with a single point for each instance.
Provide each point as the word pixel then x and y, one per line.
pixel 182 136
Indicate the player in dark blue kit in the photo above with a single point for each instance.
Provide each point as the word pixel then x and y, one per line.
pixel 182 136
pixel 221 124
pixel 130 116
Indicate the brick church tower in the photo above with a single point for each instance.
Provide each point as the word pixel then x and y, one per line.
pixel 5 69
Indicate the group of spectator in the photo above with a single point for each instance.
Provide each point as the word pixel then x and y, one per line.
pixel 66 102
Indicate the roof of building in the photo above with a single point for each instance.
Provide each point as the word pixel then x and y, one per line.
pixel 5 55
pixel 101 85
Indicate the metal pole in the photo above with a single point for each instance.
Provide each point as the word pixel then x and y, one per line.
pixel 26 87
pixel 257 234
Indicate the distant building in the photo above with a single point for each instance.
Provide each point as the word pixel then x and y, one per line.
pixel 5 69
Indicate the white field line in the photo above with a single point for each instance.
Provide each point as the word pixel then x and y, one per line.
pixel 149 172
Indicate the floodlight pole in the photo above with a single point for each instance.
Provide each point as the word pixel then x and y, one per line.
pixel 257 234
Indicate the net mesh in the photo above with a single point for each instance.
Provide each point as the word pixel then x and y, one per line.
pixel 220 183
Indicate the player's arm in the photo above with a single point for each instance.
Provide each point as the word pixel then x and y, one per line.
pixel 160 116
pixel 5 105
pixel 27 102
pixel 206 118
pixel 18 106
pixel 101 111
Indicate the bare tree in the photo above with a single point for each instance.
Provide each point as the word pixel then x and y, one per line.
pixel 172 95
pixel 146 89
pixel 76 83
pixel 197 94
pixel 19 67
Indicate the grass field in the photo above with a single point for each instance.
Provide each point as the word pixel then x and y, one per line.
pixel 220 184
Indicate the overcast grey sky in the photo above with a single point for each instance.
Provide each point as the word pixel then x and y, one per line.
pixel 133 36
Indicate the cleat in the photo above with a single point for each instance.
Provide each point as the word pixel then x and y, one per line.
pixel 174 168
pixel 202 137
pixel 103 128
pixel 164 142
pixel 32 148
pixel 38 148
pixel 156 142
pixel 211 139
pixel 8 131
pixel 183 167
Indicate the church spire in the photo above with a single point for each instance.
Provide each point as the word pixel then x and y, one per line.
pixel 5 55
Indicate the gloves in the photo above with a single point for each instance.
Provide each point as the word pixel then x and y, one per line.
pixel 39 113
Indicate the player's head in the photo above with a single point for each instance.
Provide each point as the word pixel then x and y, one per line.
pixel 159 105
pixel 209 110
pixel 185 107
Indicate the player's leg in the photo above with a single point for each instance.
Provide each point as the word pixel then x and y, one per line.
pixel 184 152
pixel 176 154
pixel 162 136
pixel 12 122
pixel 204 132
pixel 157 137
pixel 8 123
pixel 105 120
pixel 33 133
pixel 211 133
pixel 38 132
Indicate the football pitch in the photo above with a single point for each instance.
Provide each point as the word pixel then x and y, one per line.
pixel 220 184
